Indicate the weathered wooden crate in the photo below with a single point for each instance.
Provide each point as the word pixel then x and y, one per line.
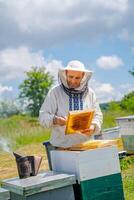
pixel 110 133
pixel 126 125
pixel 48 186
pixel 4 194
pixel 97 172
pixel 127 132
pixel 128 143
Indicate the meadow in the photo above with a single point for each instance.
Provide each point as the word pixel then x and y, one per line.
pixel 24 135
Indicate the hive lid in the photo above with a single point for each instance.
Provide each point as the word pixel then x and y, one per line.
pixel 130 117
pixel 42 182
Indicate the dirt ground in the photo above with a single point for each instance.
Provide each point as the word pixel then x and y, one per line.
pixel 8 166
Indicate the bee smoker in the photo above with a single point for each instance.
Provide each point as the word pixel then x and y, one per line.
pixel 27 165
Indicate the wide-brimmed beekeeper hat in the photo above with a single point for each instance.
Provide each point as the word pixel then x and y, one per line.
pixel 75 65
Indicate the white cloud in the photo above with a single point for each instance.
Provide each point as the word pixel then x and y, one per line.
pixel 14 62
pixel 106 92
pixel 5 89
pixel 109 62
pixel 41 23
pixel 52 66
pixel 126 88
pixel 122 90
pixel 105 87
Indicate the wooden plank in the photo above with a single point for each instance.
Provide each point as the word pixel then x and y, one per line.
pixel 64 193
pixel 4 194
pixel 66 162
pixel 40 183
pixel 128 143
pixel 87 164
pixel 97 186
pixel 126 125
pixel 98 163
pixel 106 196
pixel 103 188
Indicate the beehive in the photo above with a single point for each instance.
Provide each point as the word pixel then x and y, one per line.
pixel 126 125
pixel 4 194
pixel 47 185
pixel 97 172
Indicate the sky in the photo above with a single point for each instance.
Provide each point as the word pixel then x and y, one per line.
pixel 51 33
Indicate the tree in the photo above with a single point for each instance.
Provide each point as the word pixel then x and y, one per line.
pixel 35 87
pixel 132 71
pixel 113 105
pixel 9 108
pixel 128 102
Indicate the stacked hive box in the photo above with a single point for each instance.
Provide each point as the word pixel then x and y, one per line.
pixel 4 194
pixel 97 172
pixel 126 125
pixel 48 186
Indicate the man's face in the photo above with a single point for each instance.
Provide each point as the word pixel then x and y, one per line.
pixel 74 78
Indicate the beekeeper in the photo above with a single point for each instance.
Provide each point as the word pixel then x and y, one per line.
pixel 72 93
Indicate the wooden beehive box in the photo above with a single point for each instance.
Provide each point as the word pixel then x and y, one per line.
pixel 47 185
pixel 126 125
pixel 4 194
pixel 97 172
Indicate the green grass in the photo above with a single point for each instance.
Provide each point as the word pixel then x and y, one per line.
pixel 127 169
pixel 18 131
pixel 128 180
pixel 126 162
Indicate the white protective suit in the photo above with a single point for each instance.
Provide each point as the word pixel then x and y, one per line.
pixel 57 103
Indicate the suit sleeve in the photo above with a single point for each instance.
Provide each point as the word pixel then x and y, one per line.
pixel 48 110
pixel 98 117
